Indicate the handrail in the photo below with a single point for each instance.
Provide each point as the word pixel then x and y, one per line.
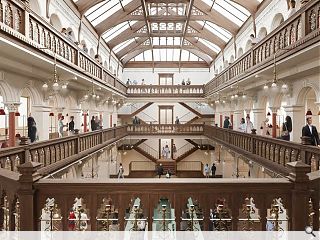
pixel 163 129
pixel 150 150
pixel 293 32
pixel 184 149
pixel 56 150
pixel 272 152
pixel 165 90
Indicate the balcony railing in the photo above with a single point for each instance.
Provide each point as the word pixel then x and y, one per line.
pixel 271 152
pixel 195 91
pixel 166 129
pixel 54 152
pixel 28 28
pixel 302 29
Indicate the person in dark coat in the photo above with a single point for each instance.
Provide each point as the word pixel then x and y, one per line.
pixel 32 128
pixel 160 170
pixel 213 170
pixel 93 124
pixel 311 131
pixel 71 124
pixel 226 123
pixel 286 129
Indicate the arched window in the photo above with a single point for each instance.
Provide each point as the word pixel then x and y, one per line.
pixel 276 21
pixel 55 22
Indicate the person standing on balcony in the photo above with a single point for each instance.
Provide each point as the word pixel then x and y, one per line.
pixel 32 129
pixel 71 125
pixel 292 8
pixel 207 171
pixel 128 82
pixel 188 82
pixel 286 129
pixel 121 171
pixel 93 124
pixel 265 129
pixel 213 170
pixel 311 131
pixel 177 120
pixel 183 82
pixel 242 127
pixel 60 126
pixel 249 125
pixel 226 123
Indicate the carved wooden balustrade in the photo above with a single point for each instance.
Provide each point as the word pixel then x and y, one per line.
pixel 59 151
pixel 23 25
pixel 271 152
pixel 206 192
pixel 166 129
pixel 165 91
pixel 296 33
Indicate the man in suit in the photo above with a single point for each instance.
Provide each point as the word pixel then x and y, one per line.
pixel 311 131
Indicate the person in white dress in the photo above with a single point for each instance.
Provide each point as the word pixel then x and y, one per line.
pixel 249 125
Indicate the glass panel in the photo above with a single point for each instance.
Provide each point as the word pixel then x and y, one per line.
pixel 115 31
pixel 163 216
pixel 121 46
pixel 218 31
pixel 210 45
pixel 103 10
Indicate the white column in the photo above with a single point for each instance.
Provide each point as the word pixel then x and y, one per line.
pixel 298 117
pixel 237 115
pixel 259 116
pixel 41 116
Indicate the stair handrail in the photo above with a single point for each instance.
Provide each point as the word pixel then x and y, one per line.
pixel 154 121
pixel 150 150
pixel 184 149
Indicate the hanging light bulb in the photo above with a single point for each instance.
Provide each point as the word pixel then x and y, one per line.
pixel 284 86
pixel 244 96
pixel 86 96
pixel 64 86
pixel 223 101
pixel 236 95
pixel 274 85
pixel 265 87
pixel 45 86
pixel 55 86
pixel 232 97
pixel 98 96
pixel 94 95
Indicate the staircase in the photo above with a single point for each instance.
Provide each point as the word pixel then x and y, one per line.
pixel 191 109
pixel 147 151
pixel 138 110
pixel 168 164
pixel 185 151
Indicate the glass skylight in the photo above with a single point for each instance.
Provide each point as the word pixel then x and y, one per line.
pixel 115 31
pixel 230 10
pixel 103 10
pixel 122 45
pixel 166 55
pixel 218 31
pixel 210 45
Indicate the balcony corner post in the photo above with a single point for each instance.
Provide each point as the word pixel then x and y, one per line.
pixel 300 194
pixel 26 194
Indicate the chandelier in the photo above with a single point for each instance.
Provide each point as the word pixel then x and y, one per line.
pixel 54 85
pixel 92 93
pixel 275 81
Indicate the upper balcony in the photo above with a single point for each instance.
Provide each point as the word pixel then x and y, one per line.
pixel 166 91
pixel 40 40
pixel 292 37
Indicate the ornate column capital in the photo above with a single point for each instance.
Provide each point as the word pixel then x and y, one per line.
pixel 12 107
